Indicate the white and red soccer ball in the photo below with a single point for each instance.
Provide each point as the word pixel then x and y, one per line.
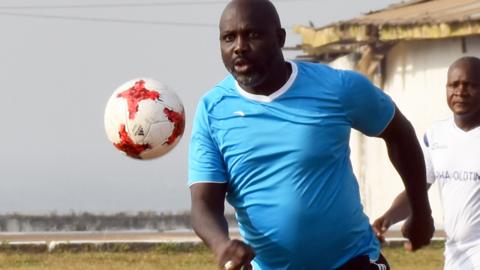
pixel 144 119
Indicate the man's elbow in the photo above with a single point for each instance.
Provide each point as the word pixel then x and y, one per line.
pixel 399 130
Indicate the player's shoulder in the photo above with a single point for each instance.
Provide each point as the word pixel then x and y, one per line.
pixel 441 125
pixel 319 74
pixel 311 65
pixel 319 69
pixel 219 91
pixel 343 77
pixel 438 130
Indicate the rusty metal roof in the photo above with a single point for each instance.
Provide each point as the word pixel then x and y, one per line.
pixel 422 11
pixel 411 20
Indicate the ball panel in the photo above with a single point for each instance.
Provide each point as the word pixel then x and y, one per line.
pixel 128 146
pixel 159 133
pixel 156 152
pixel 136 94
pixel 116 114
pixel 178 121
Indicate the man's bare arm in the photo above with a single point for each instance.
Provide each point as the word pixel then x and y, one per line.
pixel 406 156
pixel 209 223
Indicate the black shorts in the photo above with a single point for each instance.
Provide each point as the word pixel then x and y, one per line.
pixel 364 263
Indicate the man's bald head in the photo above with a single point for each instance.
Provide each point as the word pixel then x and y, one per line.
pixel 467 62
pixel 264 9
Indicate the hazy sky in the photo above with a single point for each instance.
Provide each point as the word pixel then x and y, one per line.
pixel 58 67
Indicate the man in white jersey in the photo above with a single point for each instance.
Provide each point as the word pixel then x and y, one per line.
pixel 452 157
pixel 273 139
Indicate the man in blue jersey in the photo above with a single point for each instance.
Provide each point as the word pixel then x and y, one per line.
pixel 273 139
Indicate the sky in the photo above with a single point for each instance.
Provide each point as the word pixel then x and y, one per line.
pixel 61 60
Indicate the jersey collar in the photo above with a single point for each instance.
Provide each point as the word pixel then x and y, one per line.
pixel 274 95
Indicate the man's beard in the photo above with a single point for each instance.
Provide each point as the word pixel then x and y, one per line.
pixel 249 80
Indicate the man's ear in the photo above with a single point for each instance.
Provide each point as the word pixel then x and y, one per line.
pixel 281 36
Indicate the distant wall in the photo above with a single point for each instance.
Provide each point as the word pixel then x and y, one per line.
pixel 93 222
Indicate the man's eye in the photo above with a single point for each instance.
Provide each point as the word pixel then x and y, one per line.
pixel 473 85
pixel 453 85
pixel 228 38
pixel 254 35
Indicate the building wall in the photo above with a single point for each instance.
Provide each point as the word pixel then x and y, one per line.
pixel 415 77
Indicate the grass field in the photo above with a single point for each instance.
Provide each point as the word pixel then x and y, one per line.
pixel 174 258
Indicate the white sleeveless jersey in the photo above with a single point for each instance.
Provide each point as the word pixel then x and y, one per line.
pixel 453 160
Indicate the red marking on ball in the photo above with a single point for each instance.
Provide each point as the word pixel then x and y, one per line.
pixel 135 94
pixel 178 120
pixel 127 145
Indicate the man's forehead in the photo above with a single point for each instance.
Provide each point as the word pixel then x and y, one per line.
pixel 247 20
pixel 241 23
pixel 463 72
pixel 463 68
pixel 466 64
pixel 254 13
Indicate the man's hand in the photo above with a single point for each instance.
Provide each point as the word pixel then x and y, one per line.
pixel 419 230
pixel 380 227
pixel 234 255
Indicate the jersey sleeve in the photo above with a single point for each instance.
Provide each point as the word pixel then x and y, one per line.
pixel 428 160
pixel 205 164
pixel 367 107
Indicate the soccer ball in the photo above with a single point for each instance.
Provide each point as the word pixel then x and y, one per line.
pixel 144 118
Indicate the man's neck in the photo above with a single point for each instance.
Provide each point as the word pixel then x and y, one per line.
pixel 466 123
pixel 276 79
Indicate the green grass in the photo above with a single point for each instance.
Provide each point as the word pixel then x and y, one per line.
pixel 173 258
pixel 429 258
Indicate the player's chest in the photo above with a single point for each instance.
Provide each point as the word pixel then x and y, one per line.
pixel 256 130
pixel 456 160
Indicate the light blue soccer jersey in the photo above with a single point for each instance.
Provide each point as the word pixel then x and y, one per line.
pixel 285 158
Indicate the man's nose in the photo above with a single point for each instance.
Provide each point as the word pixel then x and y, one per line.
pixel 241 45
pixel 461 89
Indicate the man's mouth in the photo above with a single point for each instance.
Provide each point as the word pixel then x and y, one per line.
pixel 242 66
pixel 460 102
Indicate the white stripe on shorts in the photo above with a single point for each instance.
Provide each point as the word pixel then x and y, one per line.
pixel 381 266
